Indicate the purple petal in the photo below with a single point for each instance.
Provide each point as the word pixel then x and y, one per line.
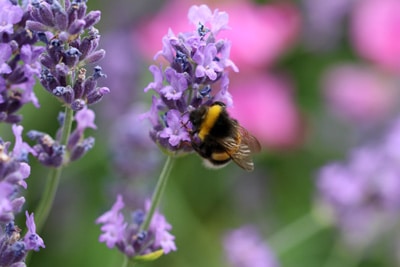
pixel 158 79
pixel 85 119
pixel 199 14
pixel 32 240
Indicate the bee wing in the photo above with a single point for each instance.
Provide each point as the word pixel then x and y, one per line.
pixel 242 157
pixel 241 148
pixel 249 140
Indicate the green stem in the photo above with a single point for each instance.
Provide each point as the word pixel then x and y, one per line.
pixel 295 233
pixel 125 263
pixel 129 262
pixel 53 177
pixel 158 192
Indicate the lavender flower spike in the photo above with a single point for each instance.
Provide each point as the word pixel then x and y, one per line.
pixel 127 236
pixel 71 44
pixel 196 75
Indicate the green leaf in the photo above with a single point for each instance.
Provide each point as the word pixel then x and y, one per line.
pixel 150 256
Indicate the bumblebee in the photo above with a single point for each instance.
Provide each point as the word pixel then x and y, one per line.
pixel 218 138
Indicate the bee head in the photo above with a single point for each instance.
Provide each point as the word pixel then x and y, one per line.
pixel 197 116
pixel 219 103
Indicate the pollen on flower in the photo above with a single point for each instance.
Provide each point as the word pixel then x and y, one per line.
pixel 47 140
pixel 3 156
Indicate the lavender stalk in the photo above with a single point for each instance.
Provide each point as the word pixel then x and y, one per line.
pixel 158 192
pixel 53 178
pixel 71 41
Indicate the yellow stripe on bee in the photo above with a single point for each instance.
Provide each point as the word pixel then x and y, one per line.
pixel 220 156
pixel 209 120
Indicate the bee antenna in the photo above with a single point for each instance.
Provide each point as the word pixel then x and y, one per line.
pixel 184 125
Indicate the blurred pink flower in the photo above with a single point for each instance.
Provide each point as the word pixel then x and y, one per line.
pixel 264 105
pixel 259 33
pixel 376 31
pixel 359 94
